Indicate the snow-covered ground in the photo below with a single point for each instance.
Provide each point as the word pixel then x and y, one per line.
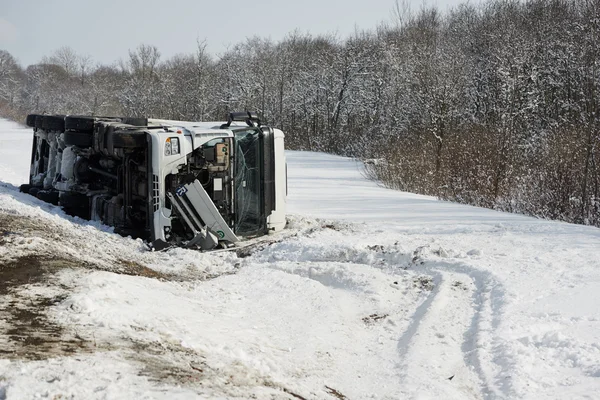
pixel 370 293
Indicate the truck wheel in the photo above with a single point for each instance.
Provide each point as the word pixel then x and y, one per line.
pixel 135 121
pixel 78 139
pixel 79 123
pixel 84 123
pixel 30 120
pixel 127 139
pixel 81 212
pixel 75 204
pixel 49 196
pixel 53 123
pixel 38 123
pixel 72 199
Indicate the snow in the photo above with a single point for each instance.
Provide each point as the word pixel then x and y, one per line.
pixel 15 152
pixel 369 293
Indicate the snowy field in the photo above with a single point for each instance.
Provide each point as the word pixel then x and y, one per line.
pixel 369 293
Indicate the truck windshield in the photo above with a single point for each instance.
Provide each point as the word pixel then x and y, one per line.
pixel 249 218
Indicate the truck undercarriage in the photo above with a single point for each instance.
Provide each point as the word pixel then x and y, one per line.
pixel 193 184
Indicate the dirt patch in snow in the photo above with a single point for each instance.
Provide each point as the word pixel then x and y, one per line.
pixel 168 362
pixel 335 393
pixel 423 282
pixel 129 267
pixel 20 225
pixel 18 229
pixel 26 331
pixel 373 318
pixel 182 366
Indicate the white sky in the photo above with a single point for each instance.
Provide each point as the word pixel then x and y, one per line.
pixel 107 29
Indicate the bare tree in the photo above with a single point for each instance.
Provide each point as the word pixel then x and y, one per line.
pixel 65 57
pixel 493 104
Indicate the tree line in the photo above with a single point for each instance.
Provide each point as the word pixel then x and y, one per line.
pixel 495 105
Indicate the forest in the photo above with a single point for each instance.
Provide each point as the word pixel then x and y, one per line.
pixel 494 105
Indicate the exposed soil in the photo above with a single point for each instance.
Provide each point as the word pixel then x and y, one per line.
pixel 134 268
pixel 335 393
pixel 371 319
pixel 182 366
pixel 187 367
pixel 11 224
pixel 23 227
pixel 32 269
pixel 423 282
pixel 26 332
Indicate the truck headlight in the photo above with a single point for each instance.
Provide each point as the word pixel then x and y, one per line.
pixel 172 146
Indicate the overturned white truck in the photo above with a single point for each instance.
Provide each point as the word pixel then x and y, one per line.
pixel 192 184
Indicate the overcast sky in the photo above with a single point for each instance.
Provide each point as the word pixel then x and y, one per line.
pixel 107 29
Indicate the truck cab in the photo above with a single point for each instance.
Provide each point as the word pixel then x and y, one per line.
pixel 192 184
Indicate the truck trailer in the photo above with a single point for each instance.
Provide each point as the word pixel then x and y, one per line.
pixel 202 185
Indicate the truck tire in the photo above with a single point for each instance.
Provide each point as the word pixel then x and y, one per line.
pixel 38 123
pixel 49 196
pixel 79 123
pixel 79 139
pixel 128 139
pixel 75 204
pixel 99 136
pixel 53 123
pixel 85 123
pixel 135 121
pixel 30 120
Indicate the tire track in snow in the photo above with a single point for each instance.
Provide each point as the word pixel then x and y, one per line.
pixel 430 349
pixel 451 333
pixel 482 352
pixel 417 317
